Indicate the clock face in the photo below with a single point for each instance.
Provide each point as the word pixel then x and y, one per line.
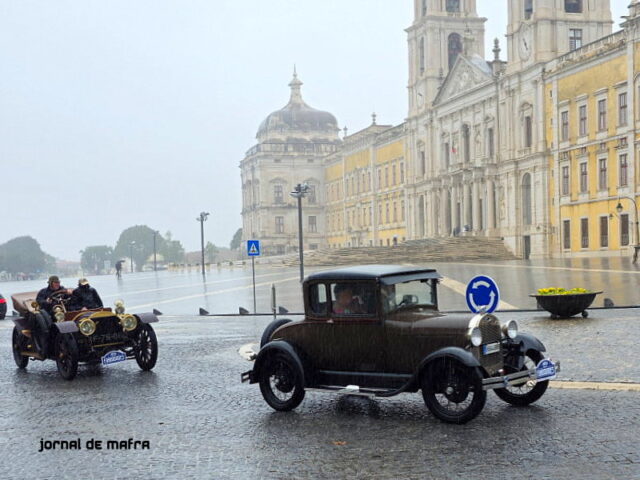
pixel 526 42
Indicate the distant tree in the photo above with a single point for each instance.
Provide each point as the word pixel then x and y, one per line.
pixel 236 240
pixel 137 242
pixel 211 252
pixel 172 250
pixel 22 255
pixel 93 258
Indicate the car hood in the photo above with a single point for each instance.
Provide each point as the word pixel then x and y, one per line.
pixel 421 323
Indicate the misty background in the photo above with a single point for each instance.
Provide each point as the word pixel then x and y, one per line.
pixel 119 113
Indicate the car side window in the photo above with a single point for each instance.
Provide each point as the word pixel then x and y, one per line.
pixel 353 298
pixel 318 299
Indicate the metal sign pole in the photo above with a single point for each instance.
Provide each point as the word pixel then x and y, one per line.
pixel 253 271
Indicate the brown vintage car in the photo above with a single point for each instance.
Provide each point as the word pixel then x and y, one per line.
pixel 377 331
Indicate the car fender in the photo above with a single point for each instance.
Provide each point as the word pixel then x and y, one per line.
pixel 269 349
pixel 146 317
pixel 21 323
pixel 460 354
pixel 66 327
pixel 529 342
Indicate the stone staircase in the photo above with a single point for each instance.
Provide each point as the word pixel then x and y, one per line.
pixel 458 249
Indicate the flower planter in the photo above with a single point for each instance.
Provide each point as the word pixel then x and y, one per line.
pixel 565 306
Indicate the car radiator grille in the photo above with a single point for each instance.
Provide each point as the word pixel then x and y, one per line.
pixel 107 326
pixel 491 333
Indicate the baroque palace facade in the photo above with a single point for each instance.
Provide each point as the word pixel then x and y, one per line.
pixel 538 151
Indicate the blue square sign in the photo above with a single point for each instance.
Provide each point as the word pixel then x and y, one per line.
pixel 253 248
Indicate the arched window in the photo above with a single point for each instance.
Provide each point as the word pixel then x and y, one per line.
pixel 421 54
pixel 455 48
pixel 453 6
pixel 573 6
pixel 526 199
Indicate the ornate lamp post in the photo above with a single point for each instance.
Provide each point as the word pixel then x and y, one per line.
pixel 300 192
pixel 202 218
pixel 619 209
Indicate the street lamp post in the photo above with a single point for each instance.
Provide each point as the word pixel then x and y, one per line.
pixel 133 242
pixel 202 218
pixel 155 264
pixel 619 209
pixel 300 192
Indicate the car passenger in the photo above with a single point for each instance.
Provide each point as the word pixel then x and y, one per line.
pixel 344 301
pixel 85 297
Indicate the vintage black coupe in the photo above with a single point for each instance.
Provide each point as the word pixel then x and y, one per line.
pixel 97 336
pixel 377 331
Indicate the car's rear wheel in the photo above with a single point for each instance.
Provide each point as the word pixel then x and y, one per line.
pixel 528 392
pixel 147 347
pixel 281 382
pixel 452 391
pixel 272 327
pixel 66 355
pixel 19 344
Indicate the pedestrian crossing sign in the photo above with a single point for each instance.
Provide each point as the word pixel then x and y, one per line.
pixel 253 248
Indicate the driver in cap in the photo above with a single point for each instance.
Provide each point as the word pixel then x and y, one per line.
pixel 44 295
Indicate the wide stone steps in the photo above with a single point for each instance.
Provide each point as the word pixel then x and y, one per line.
pixel 458 249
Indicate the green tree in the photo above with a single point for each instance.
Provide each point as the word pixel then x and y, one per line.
pixel 137 243
pixel 23 255
pixel 236 240
pixel 172 250
pixel 211 252
pixel 92 258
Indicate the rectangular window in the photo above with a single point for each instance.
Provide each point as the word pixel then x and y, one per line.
pixel 490 143
pixel 624 170
pixel 528 132
pixel 604 232
pixel 565 180
pixel 602 174
pixel 446 155
pixel 423 163
pixel 386 211
pixel 421 54
pixel 393 174
pixel 528 9
pixel 584 232
pixel 402 211
pixel 311 194
pixel 602 115
pixel 575 38
pixel 279 224
pixel 402 173
pixel 564 126
pixel 573 6
pixel 622 109
pixel 313 226
pixel 278 194
pixel 424 7
pixel 386 176
pixel 566 234
pixel 624 229
pixel 584 185
pixel 395 212
pixel 582 119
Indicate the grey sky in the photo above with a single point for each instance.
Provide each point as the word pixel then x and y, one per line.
pixel 116 113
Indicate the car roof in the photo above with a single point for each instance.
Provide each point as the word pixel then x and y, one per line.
pixel 375 272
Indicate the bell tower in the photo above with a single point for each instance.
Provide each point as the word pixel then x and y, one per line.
pixel 540 30
pixel 441 30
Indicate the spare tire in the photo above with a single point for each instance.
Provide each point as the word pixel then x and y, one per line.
pixel 272 327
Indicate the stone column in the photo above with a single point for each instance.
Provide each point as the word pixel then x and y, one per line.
pixel 475 205
pixel 464 207
pixel 490 205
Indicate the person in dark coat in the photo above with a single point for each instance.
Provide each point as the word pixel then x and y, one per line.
pixel 85 297
pixel 44 295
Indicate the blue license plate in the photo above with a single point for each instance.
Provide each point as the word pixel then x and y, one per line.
pixel 113 357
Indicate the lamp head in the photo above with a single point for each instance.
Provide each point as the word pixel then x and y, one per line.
pixel 619 208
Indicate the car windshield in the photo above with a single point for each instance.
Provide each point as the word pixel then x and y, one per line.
pixel 414 294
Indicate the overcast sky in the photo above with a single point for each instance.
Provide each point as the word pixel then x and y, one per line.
pixel 116 113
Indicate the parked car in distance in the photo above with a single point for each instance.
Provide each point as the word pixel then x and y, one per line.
pixel 377 331
pixel 3 307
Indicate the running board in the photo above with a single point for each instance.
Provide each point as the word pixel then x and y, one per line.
pixel 350 390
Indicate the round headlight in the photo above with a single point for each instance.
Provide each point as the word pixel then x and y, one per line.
pixel 510 329
pixel 129 322
pixel 475 335
pixel 58 315
pixel 87 326
pixel 119 306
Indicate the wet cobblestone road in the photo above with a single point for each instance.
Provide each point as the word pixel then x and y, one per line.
pixel 201 422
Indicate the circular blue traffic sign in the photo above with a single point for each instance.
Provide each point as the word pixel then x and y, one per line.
pixel 482 294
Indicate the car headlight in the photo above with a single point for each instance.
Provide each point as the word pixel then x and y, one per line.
pixel 119 306
pixel 475 336
pixel 58 314
pixel 510 329
pixel 87 326
pixel 128 322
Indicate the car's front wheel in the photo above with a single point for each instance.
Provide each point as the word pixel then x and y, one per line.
pixel 18 343
pixel 528 392
pixel 66 355
pixel 452 391
pixel 281 382
pixel 147 347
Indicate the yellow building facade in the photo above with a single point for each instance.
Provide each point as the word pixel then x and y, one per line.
pixel 591 104
pixel 365 188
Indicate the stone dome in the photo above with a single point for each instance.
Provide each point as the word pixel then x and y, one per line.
pixel 298 120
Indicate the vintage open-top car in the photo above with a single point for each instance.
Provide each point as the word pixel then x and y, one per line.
pixel 377 331
pixel 88 336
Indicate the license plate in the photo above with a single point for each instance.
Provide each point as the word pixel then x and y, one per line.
pixel 113 357
pixel 490 348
